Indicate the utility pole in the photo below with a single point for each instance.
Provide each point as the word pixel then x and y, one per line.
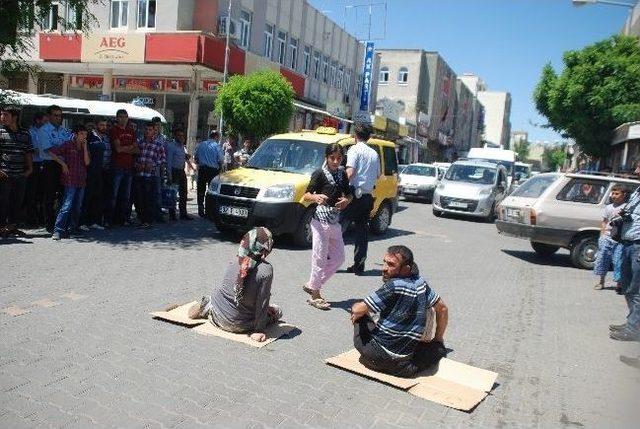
pixel 226 59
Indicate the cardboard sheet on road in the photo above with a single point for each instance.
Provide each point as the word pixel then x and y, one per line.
pixel 273 332
pixel 179 315
pixel 452 383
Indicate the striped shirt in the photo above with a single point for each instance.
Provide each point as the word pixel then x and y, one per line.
pixel 402 305
pixel 14 146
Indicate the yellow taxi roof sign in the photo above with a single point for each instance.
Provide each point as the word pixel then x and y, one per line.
pixel 326 130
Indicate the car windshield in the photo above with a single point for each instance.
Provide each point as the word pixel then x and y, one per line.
pixel 535 186
pixel 292 156
pixel 522 169
pixel 419 170
pixel 506 164
pixel 471 174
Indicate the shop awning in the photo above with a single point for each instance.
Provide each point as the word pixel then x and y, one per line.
pixel 315 109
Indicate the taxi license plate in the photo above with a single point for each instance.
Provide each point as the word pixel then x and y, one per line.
pixel 458 204
pixel 234 211
pixel 410 191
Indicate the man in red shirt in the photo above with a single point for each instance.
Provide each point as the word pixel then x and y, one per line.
pixel 123 141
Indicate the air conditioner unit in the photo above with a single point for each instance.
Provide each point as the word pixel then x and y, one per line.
pixel 234 29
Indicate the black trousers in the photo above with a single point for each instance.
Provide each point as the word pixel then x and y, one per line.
pixel 11 195
pixel 374 357
pixel 94 200
pixel 179 177
pixel 358 213
pixel 51 190
pixel 205 174
pixel 33 196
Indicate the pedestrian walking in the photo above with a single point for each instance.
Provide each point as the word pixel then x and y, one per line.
pixel 209 159
pixel 630 267
pixel 50 135
pixel 609 250
pixel 94 197
pixel 73 158
pixel 176 159
pixel 123 143
pixel 242 156
pixel 15 167
pixel 33 192
pixel 329 190
pixel 148 166
pixel 363 169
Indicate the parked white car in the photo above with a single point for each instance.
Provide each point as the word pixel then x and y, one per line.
pixel 471 188
pixel 418 181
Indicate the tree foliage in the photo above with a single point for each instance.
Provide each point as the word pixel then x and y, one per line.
pixel 256 105
pixel 554 157
pixel 598 90
pixel 522 148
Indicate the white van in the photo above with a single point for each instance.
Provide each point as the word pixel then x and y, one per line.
pixel 504 157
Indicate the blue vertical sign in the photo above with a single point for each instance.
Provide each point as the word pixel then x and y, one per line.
pixel 367 68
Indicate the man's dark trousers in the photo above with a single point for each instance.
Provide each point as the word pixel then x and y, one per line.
pixel 178 177
pixel 205 174
pixel 11 196
pixel 358 212
pixel 50 191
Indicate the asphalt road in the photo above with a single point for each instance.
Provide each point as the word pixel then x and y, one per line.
pixel 79 348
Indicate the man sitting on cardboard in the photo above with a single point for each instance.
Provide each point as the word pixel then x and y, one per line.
pixel 394 344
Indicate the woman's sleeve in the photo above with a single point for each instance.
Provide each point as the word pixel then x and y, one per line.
pixel 315 183
pixel 346 189
pixel 264 281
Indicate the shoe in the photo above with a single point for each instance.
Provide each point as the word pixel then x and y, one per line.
pixel 201 310
pixel 185 217
pixel 84 228
pixel 96 226
pixel 201 213
pixel 619 291
pixel 617 327
pixel 144 225
pixel 598 286
pixel 126 223
pixel 625 335
pixel 173 217
pixel 55 236
pixel 356 270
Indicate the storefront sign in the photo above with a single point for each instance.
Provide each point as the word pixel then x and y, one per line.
pixel 131 84
pixel 177 85
pixel 86 82
pixel 391 109
pixel 144 101
pixel 210 86
pixel 367 69
pixel 113 48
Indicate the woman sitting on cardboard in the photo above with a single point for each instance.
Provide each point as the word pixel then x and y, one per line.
pixel 240 302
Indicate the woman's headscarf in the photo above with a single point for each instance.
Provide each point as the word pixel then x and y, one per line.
pixel 254 247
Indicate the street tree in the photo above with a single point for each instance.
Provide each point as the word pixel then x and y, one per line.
pixel 522 148
pixel 18 20
pixel 554 157
pixel 598 90
pixel 256 105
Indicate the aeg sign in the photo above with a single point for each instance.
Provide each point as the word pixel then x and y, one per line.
pixel 113 48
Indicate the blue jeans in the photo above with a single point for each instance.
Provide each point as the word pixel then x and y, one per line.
pixel 70 211
pixel 120 195
pixel 609 253
pixel 630 270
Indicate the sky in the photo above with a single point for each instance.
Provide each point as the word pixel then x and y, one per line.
pixel 505 42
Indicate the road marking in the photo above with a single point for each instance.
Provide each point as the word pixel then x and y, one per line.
pixel 45 303
pixel 74 296
pixel 14 311
pixel 430 234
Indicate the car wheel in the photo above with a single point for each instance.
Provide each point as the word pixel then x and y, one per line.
pixel 303 236
pixel 583 251
pixel 381 221
pixel 544 249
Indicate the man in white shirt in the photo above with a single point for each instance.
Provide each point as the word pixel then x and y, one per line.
pixel 363 170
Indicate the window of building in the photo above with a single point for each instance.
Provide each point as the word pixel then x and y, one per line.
pixel 146 13
pixel 72 17
pixel 306 59
pixel 325 69
pixel 245 28
pixel 119 13
pixel 316 65
pixel 403 75
pixel 347 82
pixel 293 53
pixel 268 40
pixel 339 78
pixel 384 75
pixel 334 67
pixel 27 21
pixel 51 19
pixel 282 46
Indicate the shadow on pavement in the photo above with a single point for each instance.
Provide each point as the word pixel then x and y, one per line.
pixel 14 240
pixel 345 304
pixel 534 258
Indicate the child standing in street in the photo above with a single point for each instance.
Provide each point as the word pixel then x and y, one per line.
pixel 608 249
pixel 73 158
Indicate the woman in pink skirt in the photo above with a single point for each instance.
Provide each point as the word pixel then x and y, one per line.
pixel 329 189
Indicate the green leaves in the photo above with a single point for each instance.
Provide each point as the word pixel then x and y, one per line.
pixel 598 90
pixel 256 105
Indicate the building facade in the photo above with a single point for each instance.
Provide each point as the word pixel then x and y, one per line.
pixel 169 55
pixel 497 113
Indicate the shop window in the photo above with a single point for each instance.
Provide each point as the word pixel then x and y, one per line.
pixel 334 66
pixel 403 75
pixel 245 29
pixel 146 13
pixel 268 40
pixel 384 75
pixel 293 53
pixel 347 82
pixel 340 77
pixel 282 44
pixel 119 13
pixel 306 55
pixel 50 22
pixel 316 65
pixel 325 69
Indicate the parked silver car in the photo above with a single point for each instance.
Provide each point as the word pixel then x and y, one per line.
pixel 471 188
pixel 554 210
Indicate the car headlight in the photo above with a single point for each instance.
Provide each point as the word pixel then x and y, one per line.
pixel 484 191
pixel 214 186
pixel 279 192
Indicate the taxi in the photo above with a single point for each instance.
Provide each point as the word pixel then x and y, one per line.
pixel 268 189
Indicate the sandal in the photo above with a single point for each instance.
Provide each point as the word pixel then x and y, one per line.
pixel 307 289
pixel 319 303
